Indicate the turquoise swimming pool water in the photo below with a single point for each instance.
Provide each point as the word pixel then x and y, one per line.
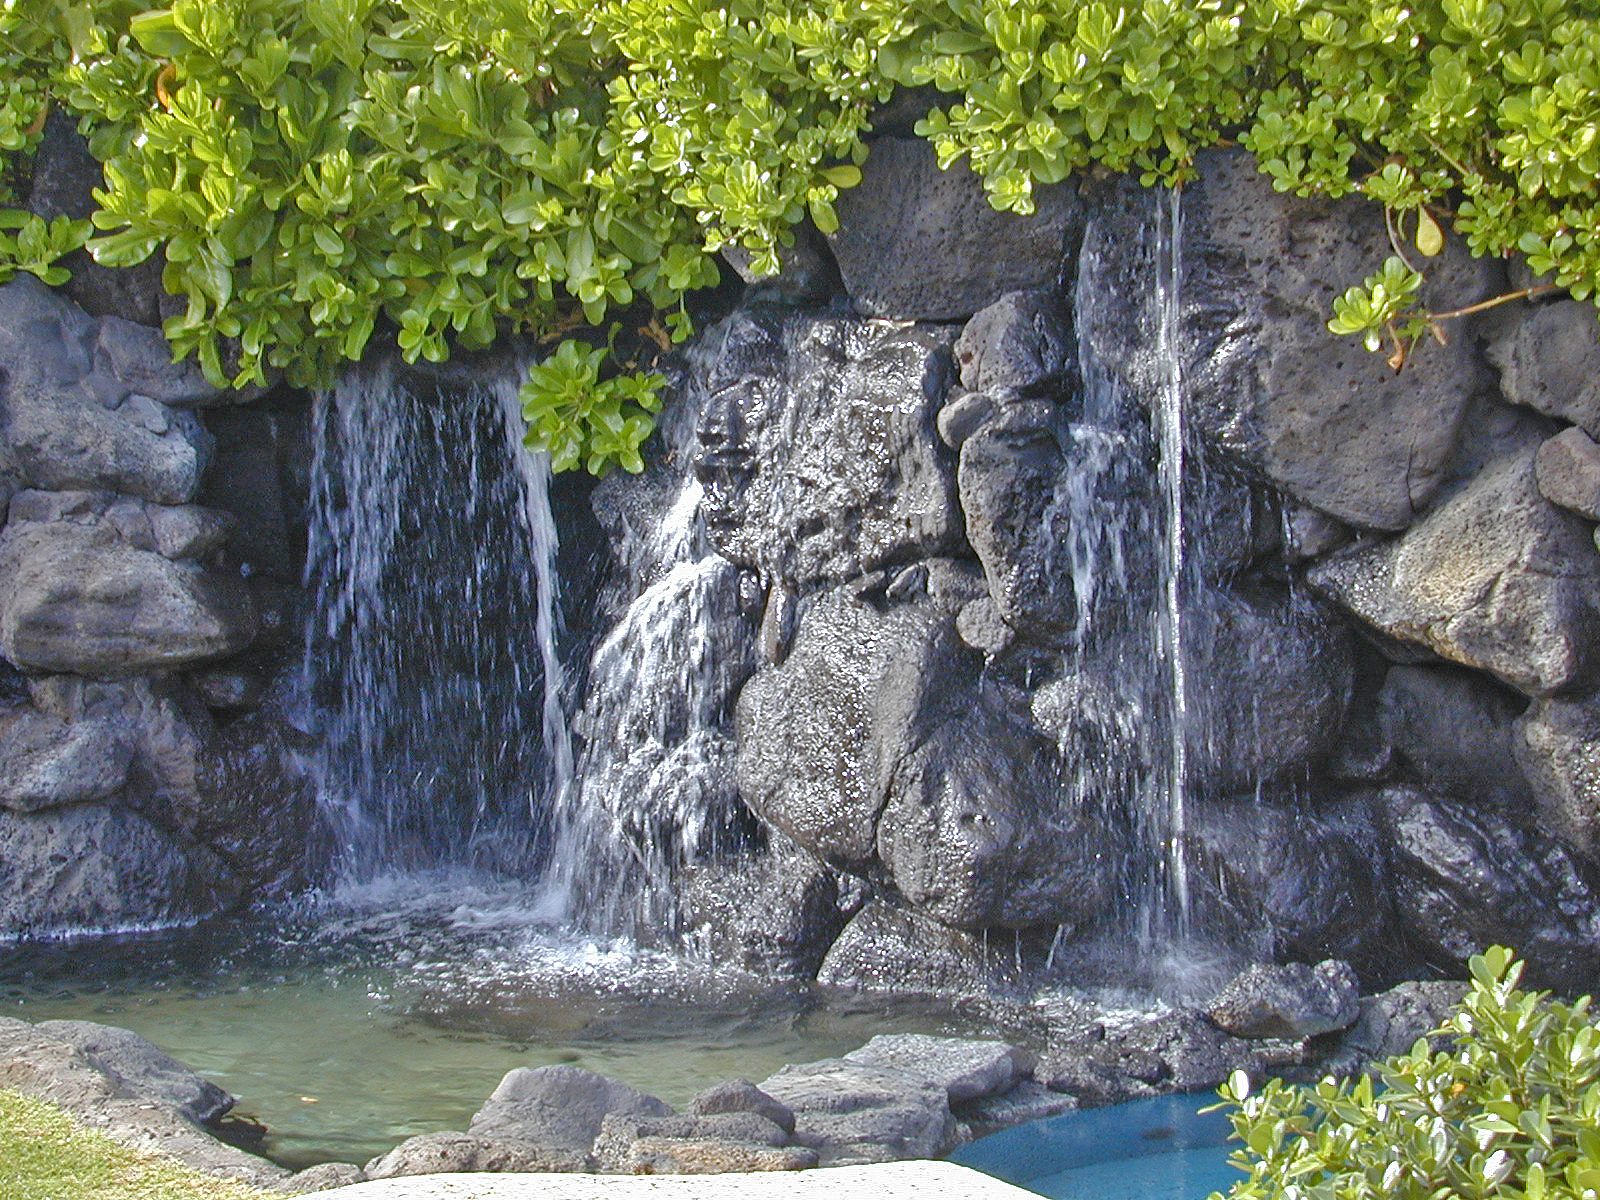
pixel 1160 1149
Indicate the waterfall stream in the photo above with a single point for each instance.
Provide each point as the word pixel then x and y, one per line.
pixel 432 655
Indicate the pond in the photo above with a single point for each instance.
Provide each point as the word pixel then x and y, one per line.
pixel 348 1024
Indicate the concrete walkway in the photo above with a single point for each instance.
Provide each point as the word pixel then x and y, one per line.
pixel 919 1180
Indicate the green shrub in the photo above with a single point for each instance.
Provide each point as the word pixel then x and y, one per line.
pixel 444 171
pixel 1509 1109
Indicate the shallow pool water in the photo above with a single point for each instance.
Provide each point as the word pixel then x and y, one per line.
pixel 349 1025
pixel 1159 1149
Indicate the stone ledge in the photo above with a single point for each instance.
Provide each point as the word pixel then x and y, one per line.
pixel 916 1180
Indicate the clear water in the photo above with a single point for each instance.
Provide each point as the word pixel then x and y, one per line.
pixel 394 1008
pixel 1161 1149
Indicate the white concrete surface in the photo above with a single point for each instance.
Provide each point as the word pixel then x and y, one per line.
pixel 919 1180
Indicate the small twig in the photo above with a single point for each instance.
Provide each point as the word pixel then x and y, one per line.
pixel 1538 289
pixel 1394 238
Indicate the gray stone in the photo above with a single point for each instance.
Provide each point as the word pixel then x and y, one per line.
pixel 917 243
pixel 91 868
pixel 1391 1022
pixel 1567 470
pixel 1022 343
pixel 890 949
pixel 46 762
pixel 449 1153
pixel 1175 1052
pixel 1287 1000
pixel 740 1095
pixel 696 1145
pixel 141 358
pixel 968 1068
pixel 71 422
pixel 1557 744
pixel 558 1108
pixel 46 1067
pixel 1495 578
pixel 229 688
pixel 1467 877
pixel 76 595
pixel 962 416
pixel 1028 1101
pixel 1549 360
pixel 144 1068
pixel 852 1113
pixel 321 1178
pixel 1308 533
pixel 1454 729
pixel 816 445
pixel 1328 421
pixel 806 271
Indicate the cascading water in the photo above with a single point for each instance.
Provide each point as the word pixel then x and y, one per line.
pixel 432 651
pixel 654 791
pixel 1134 564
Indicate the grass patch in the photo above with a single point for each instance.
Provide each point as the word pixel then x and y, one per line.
pixel 46 1155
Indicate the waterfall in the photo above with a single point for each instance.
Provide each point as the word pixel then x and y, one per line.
pixel 654 791
pixel 1133 565
pixel 432 649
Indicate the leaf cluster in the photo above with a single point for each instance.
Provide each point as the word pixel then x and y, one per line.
pixel 1509 1109
pixel 318 173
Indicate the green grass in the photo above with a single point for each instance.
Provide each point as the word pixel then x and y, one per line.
pixel 45 1155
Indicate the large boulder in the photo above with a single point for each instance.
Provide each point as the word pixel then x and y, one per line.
pixel 1469 877
pixel 874 746
pixel 816 445
pixel 1287 1000
pixel 1453 728
pixel 855 1113
pixel 47 762
pixel 1557 745
pixel 88 404
pixel 144 1068
pixel 1549 360
pixel 968 1068
pixel 1496 577
pixel 1284 881
pixel 916 243
pixel 87 586
pixel 558 1108
pixel 93 868
pixel 1326 420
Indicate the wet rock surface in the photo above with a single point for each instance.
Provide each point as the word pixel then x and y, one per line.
pixel 1287 1000
pixel 143 1068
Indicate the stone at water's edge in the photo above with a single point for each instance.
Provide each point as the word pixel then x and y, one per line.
pixel 558 1108
pixel 143 1067
pixel 1291 1000
pixel 969 1069
pixel 855 1113
pixel 436 1153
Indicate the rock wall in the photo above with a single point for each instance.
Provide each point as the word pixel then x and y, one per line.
pixel 914 445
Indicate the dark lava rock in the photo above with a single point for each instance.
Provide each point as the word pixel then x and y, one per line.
pixel 1022 343
pixel 816 445
pixel 1287 1000
pixel 1453 728
pixel 917 243
pixel 742 1096
pixel 144 1068
pixel 968 1068
pixel 444 1153
pixel 1549 360
pixel 853 1113
pixel 1557 743
pixel 1467 877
